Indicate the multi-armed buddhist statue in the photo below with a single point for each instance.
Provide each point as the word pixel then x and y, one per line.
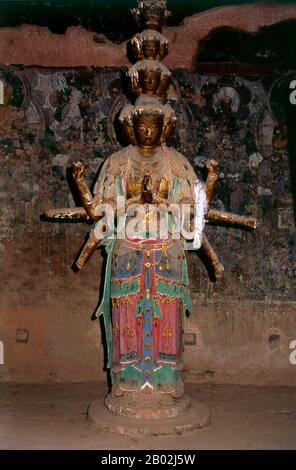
pixel 146 289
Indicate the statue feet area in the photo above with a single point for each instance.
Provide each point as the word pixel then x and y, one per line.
pixel 145 405
pixel 148 414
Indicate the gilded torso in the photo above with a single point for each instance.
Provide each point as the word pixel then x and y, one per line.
pixel 165 168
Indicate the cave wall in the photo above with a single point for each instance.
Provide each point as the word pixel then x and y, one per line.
pixel 52 117
pixel 61 105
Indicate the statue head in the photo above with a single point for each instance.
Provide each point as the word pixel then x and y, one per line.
pixel 151 49
pixel 151 14
pixel 149 77
pixel 149 45
pixel 149 81
pixel 148 127
pixel 148 123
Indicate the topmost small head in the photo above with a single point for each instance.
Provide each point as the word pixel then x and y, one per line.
pixel 151 14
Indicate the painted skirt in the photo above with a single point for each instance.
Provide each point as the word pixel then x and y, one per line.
pixel 149 296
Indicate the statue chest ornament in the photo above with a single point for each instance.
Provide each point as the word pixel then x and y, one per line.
pixel 147 187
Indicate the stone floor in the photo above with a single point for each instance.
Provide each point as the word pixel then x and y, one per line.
pixel 54 417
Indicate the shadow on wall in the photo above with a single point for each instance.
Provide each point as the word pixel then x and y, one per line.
pixel 272 45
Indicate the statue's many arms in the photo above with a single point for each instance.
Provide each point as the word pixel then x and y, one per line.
pixel 146 292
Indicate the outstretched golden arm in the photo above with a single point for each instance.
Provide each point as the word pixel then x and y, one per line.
pixel 206 248
pixel 84 192
pixel 228 218
pixel 74 214
pixel 79 214
pixel 219 217
pixel 212 177
pixel 88 249
pixel 211 256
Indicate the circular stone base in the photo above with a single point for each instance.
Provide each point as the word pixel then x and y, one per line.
pixel 158 406
pixel 196 416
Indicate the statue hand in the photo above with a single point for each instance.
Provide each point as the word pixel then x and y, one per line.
pixel 218 269
pixel 131 201
pixel 78 169
pixel 160 200
pixel 212 166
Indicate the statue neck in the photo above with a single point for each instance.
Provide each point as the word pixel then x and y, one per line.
pixel 148 152
pixel 140 164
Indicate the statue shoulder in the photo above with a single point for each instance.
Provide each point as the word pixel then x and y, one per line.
pixel 179 164
pixel 116 163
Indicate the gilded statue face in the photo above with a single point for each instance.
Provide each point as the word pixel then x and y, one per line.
pixel 149 81
pixel 151 48
pixel 153 18
pixel 148 129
